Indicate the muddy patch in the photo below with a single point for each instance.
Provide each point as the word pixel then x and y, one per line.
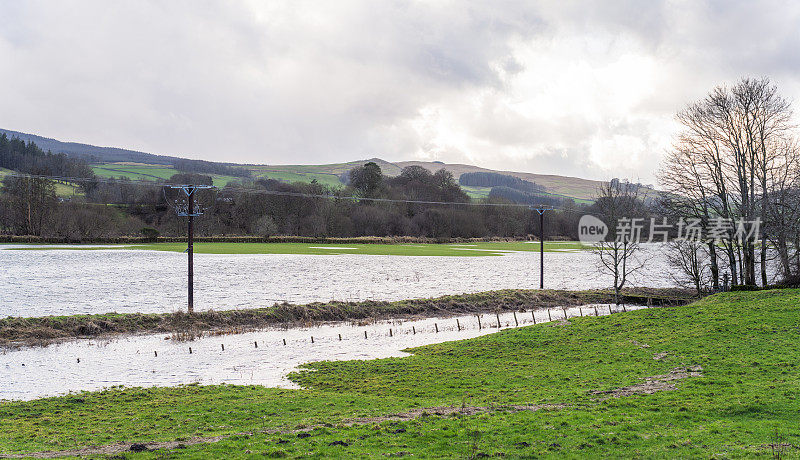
pixel 665 382
pixel 559 322
pixel 444 411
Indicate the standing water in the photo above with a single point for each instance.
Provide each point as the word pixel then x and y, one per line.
pixel 259 358
pixel 68 282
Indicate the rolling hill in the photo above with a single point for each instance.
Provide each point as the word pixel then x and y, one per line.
pixel 112 161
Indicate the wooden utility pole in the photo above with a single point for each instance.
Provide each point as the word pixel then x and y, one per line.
pixel 189 208
pixel 541 248
pixel 190 250
pixel 541 211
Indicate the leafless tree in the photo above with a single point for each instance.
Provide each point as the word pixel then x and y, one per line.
pixel 691 260
pixel 618 203
pixel 727 161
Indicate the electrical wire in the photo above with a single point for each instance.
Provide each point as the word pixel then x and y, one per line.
pixel 295 194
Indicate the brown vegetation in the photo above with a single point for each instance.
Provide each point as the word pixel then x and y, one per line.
pixel 49 329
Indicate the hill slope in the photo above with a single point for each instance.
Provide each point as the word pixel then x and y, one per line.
pixel 107 158
pixel 91 152
pixel 563 185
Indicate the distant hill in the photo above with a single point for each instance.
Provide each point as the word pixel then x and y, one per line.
pixel 106 158
pixel 92 153
pixel 575 187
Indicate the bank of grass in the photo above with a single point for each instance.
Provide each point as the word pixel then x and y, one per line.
pixel 48 329
pixel 475 249
pixel 743 403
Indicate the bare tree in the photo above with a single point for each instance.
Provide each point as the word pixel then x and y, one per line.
pixel 31 201
pixel 691 260
pixel 726 163
pixel 618 203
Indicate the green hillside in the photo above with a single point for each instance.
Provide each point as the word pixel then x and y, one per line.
pixel 138 171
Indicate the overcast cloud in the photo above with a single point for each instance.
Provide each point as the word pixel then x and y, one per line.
pixel 576 88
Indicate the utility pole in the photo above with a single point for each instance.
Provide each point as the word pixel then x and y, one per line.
pixel 190 251
pixel 188 207
pixel 541 211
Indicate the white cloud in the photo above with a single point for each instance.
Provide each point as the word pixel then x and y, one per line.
pixel 578 88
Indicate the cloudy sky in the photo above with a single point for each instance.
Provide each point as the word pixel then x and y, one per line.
pixel 586 89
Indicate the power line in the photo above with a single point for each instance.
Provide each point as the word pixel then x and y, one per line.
pixel 298 194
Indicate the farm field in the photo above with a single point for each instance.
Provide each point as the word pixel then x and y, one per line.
pixel 458 250
pixel 479 193
pixel 714 379
pixel 330 180
pixel 62 190
pixel 147 172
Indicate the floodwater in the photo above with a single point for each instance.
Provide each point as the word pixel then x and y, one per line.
pixel 150 360
pixel 68 282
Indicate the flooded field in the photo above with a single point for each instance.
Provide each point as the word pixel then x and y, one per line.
pixel 66 282
pixel 259 358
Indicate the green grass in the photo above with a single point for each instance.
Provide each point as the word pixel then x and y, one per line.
pixel 476 193
pixel 330 180
pixel 148 172
pixel 479 193
pixel 456 250
pixel 745 399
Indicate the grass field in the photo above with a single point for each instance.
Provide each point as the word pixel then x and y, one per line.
pixel 714 379
pixel 331 180
pixel 62 190
pixel 148 172
pixel 457 250
pixel 479 193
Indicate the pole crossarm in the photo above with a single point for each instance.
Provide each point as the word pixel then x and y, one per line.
pixel 189 206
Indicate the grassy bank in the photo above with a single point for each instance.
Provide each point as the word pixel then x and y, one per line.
pixel 44 330
pixel 714 379
pixel 474 249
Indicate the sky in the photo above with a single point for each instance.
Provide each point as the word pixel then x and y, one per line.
pixel 586 89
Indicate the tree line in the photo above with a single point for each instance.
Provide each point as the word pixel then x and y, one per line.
pixel 736 158
pixel 118 208
pixel 28 158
